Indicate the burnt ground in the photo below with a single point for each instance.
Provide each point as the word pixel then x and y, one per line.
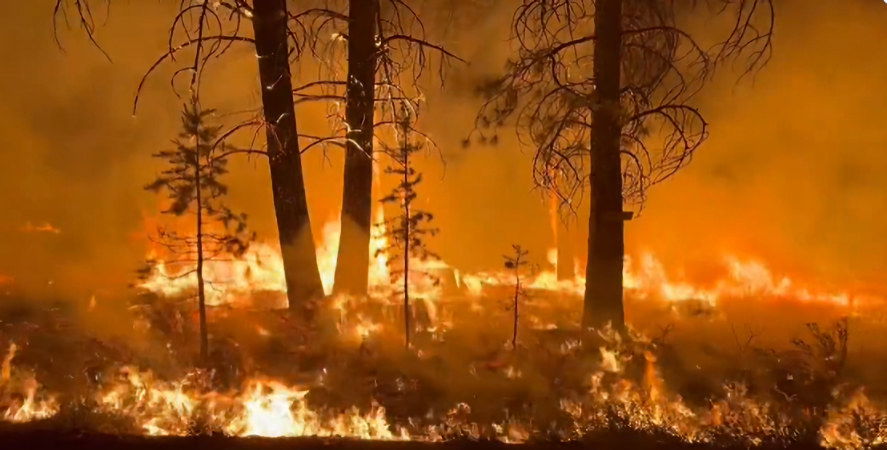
pixel 28 437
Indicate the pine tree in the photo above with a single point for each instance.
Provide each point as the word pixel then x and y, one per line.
pixel 408 231
pixel 605 91
pixel 515 262
pixel 192 182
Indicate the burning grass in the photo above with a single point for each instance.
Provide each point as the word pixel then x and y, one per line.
pixel 702 366
pixel 350 377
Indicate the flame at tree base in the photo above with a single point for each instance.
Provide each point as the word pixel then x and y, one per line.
pixel 553 387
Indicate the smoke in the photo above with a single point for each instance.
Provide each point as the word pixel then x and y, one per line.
pixel 791 174
pixel 792 171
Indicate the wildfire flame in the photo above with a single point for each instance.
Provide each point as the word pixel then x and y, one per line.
pixel 19 393
pixel 259 270
pixel 269 408
pixel 272 408
pixel 264 407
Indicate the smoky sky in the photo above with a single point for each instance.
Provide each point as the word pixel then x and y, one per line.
pixel 793 173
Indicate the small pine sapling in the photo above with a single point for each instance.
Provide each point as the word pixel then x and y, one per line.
pixel 192 183
pixel 409 230
pixel 515 262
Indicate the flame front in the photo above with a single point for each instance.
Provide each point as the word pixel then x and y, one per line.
pixel 611 395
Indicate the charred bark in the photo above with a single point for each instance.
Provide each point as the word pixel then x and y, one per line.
pixel 352 266
pixel 290 203
pixel 603 290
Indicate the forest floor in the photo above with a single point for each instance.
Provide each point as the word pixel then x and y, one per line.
pixel 726 375
pixel 34 437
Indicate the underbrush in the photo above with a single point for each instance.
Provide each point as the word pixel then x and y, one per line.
pixel 684 377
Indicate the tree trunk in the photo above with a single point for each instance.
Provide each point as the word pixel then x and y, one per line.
pixel 290 203
pixel 352 266
pixel 407 236
pixel 603 290
pixel 201 283
pixel 516 305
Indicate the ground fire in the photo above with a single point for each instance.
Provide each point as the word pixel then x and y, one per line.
pixel 464 224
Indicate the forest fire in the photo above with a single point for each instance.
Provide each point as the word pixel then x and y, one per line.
pixel 259 270
pixel 624 388
pixel 264 408
pixel 268 408
pixel 412 224
pixel 21 392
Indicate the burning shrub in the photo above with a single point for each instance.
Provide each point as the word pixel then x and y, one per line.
pixel 806 375
pixel 857 423
pixel 20 397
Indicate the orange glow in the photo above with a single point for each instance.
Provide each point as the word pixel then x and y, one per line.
pixel 20 393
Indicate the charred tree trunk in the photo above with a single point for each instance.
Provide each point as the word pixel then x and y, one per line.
pixel 603 290
pixel 290 203
pixel 352 266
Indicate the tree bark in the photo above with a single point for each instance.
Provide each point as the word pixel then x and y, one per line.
pixel 290 203
pixel 201 283
pixel 352 266
pixel 603 290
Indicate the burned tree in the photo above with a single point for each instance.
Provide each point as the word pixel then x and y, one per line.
pixel 352 266
pixel 192 182
pixel 409 230
pixel 603 90
pixel 270 22
pixel 387 54
pixel 515 263
pixel 208 30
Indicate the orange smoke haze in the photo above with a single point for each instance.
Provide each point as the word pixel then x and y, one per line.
pixel 792 174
